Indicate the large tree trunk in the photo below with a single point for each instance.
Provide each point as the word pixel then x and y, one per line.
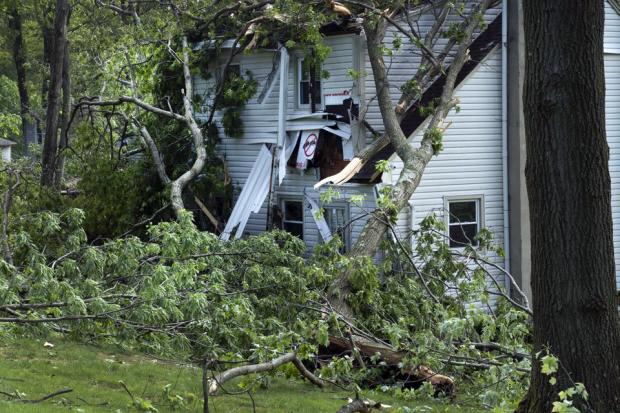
pixel 573 272
pixel 50 144
pixel 28 130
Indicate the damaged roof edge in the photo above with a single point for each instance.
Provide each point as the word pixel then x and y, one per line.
pixel 478 51
pixel 343 26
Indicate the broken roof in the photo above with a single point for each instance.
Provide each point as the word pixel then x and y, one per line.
pixel 414 117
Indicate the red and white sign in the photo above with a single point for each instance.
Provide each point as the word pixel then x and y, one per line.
pixel 309 145
pixel 307 148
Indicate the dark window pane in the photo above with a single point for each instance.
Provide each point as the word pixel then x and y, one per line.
pixel 317 92
pixel 295 229
pixel 464 211
pixel 461 235
pixel 304 93
pixel 293 211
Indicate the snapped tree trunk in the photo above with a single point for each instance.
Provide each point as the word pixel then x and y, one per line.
pixel 414 160
pixel 28 131
pixel 567 174
pixel 50 144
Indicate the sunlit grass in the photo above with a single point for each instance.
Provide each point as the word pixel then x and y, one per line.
pixel 33 370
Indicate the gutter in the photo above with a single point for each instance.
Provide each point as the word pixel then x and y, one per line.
pixel 505 202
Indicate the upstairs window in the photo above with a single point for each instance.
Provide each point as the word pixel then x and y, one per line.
pixel 309 83
pixel 464 221
pixel 293 216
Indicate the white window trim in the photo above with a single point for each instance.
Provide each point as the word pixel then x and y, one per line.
pixel 480 213
pixel 298 80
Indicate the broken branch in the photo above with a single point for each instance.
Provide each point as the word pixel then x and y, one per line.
pixel 230 374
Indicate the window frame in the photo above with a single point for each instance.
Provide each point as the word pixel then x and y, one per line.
pixel 346 233
pixel 281 204
pixel 480 214
pixel 299 80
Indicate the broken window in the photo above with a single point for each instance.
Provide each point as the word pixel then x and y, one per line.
pixel 293 216
pixel 309 76
pixel 337 218
pixel 464 221
pixel 329 155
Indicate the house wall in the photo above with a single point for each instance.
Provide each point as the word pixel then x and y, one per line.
pixel 519 217
pixel 470 164
pixel 403 64
pixel 520 244
pixel 612 120
pixel 612 30
pixel 260 124
pixel 612 125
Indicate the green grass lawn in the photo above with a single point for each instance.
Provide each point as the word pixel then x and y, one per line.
pixel 93 373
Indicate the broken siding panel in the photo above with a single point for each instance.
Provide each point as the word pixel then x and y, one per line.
pixel 471 163
pixel 612 125
pixel 612 29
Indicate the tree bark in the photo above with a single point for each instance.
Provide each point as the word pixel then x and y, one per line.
pixel 50 143
pixel 15 23
pixel 567 175
pixel 176 189
pixel 66 112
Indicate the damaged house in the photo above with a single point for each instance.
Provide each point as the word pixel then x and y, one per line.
pixel 315 125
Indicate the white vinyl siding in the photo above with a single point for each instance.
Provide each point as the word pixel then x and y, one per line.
pixel 404 63
pixel 470 165
pixel 612 125
pixel 612 30
pixel 612 120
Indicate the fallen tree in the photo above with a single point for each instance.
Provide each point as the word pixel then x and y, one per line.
pixel 258 303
